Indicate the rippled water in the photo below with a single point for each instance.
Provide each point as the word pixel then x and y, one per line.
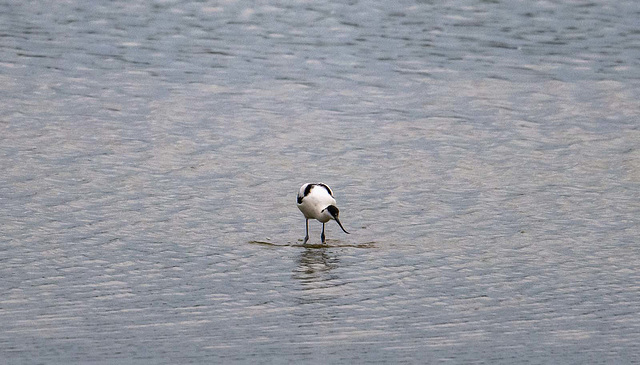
pixel 484 155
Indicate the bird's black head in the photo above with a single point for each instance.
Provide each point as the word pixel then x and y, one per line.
pixel 333 210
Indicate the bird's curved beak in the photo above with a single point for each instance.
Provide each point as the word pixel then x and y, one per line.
pixel 340 224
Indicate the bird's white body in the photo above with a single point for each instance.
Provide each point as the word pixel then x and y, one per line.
pixel 316 201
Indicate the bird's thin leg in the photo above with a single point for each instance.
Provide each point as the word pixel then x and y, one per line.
pixel 322 235
pixel 306 238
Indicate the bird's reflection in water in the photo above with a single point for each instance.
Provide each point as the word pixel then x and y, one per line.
pixel 315 264
pixel 315 273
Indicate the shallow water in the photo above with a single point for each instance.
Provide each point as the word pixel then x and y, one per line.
pixel 484 156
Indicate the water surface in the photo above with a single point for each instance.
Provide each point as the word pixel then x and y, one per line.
pixel 484 156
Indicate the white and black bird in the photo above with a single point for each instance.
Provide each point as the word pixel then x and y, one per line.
pixel 316 201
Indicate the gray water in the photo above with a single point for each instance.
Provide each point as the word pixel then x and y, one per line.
pixel 484 155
